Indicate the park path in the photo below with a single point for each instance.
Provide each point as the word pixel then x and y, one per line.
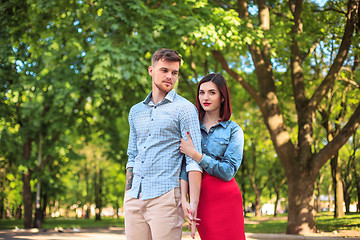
pixel 118 234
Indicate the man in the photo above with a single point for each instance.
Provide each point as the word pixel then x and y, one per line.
pixel 152 193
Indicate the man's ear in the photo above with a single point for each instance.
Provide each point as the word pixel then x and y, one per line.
pixel 150 70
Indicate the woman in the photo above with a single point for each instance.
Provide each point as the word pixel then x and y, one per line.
pixel 220 205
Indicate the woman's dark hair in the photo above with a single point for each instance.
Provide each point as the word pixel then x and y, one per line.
pixel 225 108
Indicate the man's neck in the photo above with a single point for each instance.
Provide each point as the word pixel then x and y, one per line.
pixel 157 96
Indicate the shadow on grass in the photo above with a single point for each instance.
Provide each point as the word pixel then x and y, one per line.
pixel 52 223
pixel 268 226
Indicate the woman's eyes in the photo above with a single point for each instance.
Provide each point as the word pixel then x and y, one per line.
pixel 212 93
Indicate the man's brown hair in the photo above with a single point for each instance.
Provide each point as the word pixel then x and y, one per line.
pixel 166 55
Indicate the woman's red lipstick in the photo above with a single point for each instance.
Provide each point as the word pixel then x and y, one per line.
pixel 206 104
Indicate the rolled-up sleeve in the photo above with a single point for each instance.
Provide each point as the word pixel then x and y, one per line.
pixel 228 166
pixel 189 122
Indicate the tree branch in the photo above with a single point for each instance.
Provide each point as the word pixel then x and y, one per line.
pixel 250 89
pixel 333 147
pixel 329 80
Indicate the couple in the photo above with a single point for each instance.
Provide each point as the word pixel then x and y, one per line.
pixel 163 128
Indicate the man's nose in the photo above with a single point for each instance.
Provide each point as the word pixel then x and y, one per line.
pixel 168 75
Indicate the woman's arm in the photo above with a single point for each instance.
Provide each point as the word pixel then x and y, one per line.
pixel 230 162
pixel 228 166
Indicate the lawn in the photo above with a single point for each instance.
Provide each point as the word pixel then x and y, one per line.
pixel 325 222
pixel 265 224
pixel 51 223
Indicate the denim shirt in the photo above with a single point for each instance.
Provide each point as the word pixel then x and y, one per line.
pixel 154 140
pixel 222 149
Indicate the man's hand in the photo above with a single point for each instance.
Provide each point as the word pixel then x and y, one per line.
pixel 193 224
pixel 187 211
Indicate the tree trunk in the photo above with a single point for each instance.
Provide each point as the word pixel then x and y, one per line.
pixel 347 200
pixel 87 212
pixel 2 207
pixel 257 205
pixel 329 196
pixel 276 202
pixel 318 186
pixel 338 187
pixel 27 199
pixel 358 193
pixel 44 206
pixel 18 212
pixel 301 215
pixel 98 194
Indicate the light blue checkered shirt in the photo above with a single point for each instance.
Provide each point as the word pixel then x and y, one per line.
pixel 154 144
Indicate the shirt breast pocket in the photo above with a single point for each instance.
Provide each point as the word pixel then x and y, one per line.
pixel 218 147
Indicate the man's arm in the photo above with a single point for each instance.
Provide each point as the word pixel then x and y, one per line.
pixel 131 152
pixel 129 178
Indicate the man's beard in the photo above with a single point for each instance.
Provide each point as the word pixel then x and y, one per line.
pixel 163 88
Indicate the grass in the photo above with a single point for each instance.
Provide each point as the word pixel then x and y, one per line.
pixel 327 223
pixel 51 223
pixel 265 224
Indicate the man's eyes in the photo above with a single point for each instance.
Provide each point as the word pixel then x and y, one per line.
pixel 165 71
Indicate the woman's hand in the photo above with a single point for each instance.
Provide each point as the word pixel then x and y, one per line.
pixel 187 211
pixel 193 224
pixel 190 214
pixel 187 147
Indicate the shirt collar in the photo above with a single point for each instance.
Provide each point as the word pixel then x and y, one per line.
pixel 168 97
pixel 224 124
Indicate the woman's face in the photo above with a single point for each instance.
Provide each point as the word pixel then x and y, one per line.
pixel 210 97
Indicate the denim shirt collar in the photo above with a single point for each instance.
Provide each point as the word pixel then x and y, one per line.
pixel 169 97
pixel 224 124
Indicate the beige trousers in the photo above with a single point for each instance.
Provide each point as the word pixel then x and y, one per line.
pixel 160 218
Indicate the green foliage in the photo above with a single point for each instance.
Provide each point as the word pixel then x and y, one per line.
pixel 71 70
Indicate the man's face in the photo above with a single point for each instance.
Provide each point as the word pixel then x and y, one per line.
pixel 164 75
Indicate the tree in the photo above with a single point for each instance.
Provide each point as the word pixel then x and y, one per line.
pixel 298 158
pixel 40 98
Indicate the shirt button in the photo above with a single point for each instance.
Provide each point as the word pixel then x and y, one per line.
pixel 144 147
pixel 142 177
pixel 149 134
pixel 142 161
pixel 152 119
pixel 155 107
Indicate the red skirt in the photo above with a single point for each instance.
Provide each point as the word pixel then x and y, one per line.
pixel 220 210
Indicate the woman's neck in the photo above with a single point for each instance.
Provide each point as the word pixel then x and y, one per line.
pixel 210 119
